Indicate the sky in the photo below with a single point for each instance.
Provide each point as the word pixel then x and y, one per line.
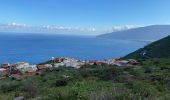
pixel 89 16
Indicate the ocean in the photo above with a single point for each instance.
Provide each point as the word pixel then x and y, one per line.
pixel 37 48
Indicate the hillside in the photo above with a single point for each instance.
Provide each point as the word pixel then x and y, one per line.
pixel 106 82
pixel 158 49
pixel 148 33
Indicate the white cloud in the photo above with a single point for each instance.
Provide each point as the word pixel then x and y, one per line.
pixel 124 27
pixel 15 27
pixel 56 29
pixel 16 24
pixel 13 23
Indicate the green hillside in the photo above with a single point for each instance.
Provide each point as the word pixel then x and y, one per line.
pixel 158 49
pixel 151 81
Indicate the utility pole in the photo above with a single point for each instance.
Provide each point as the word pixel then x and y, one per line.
pixel 53 61
pixel 10 69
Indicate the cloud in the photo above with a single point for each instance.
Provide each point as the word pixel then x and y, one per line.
pixel 54 29
pixel 16 25
pixel 57 29
pixel 124 27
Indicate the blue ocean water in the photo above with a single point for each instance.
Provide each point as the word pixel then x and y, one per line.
pixel 38 48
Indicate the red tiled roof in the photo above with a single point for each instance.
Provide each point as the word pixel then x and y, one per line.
pixel 39 67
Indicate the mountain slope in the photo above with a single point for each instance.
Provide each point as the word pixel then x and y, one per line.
pixel 158 49
pixel 148 33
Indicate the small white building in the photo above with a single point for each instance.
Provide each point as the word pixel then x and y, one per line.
pixel 24 67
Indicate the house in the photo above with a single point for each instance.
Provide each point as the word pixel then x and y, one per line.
pixel 116 59
pixel 90 62
pixel 133 62
pixel 122 63
pixel 117 62
pixel 4 72
pixel 30 73
pixel 6 65
pixel 56 65
pixel 41 67
pixel 25 67
pixel 48 65
pixel 58 60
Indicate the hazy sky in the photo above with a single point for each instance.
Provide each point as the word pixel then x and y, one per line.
pixel 101 14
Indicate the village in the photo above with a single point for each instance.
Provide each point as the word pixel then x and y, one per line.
pixel 20 70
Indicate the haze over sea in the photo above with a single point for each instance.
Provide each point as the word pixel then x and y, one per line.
pixel 36 48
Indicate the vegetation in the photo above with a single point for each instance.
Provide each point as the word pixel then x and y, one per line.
pixel 150 81
pixel 158 49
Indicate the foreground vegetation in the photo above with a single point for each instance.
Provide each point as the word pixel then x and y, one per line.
pixel 150 81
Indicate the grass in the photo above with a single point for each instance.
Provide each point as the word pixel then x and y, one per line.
pixel 150 81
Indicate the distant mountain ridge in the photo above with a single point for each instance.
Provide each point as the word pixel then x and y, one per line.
pixel 158 49
pixel 148 33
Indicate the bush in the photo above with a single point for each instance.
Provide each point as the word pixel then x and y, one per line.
pixel 144 90
pixel 8 87
pixel 30 90
pixel 61 82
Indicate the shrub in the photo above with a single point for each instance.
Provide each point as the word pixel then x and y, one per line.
pixel 144 90
pixel 61 82
pixel 30 90
pixel 8 87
